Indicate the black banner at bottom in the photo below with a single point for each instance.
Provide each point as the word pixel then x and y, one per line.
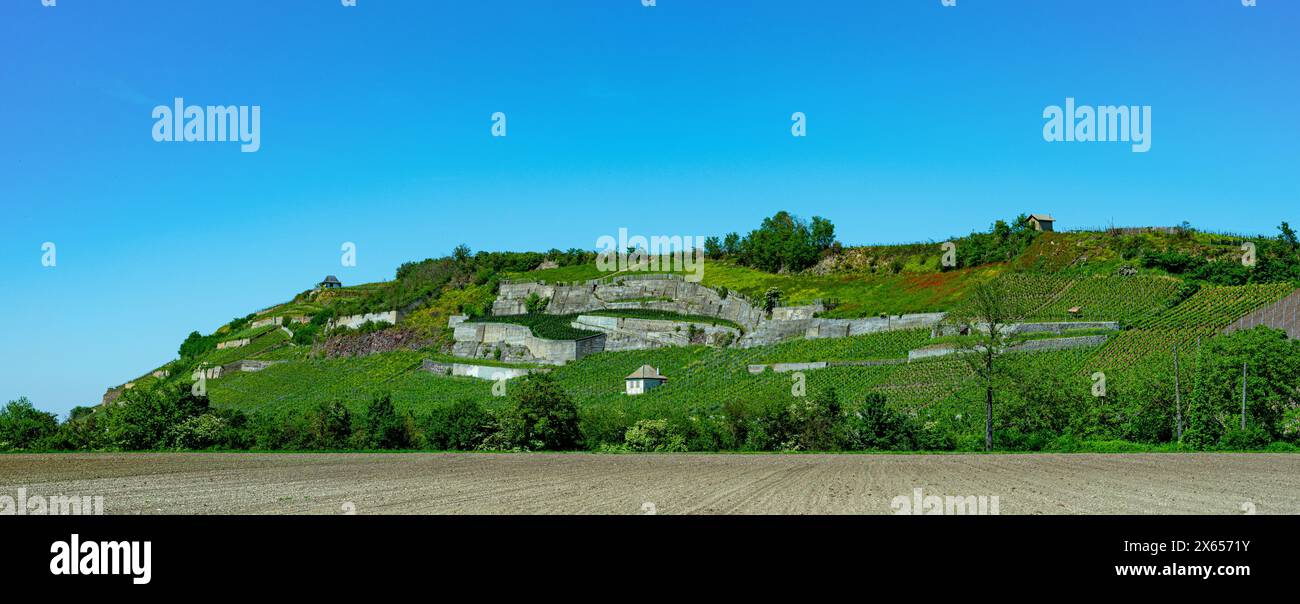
pixel 305 553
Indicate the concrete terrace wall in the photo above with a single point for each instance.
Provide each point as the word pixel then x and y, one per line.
pixel 517 343
pixel 278 321
pixel 354 321
pixel 624 333
pixel 482 372
pixel 1043 345
pixel 682 296
pixel 233 344
pixel 1056 327
pixel 774 330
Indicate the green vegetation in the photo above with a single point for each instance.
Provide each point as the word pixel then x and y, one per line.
pixel 551 327
pixel 664 315
pixel 783 243
pixel 1166 287
pixel 884 345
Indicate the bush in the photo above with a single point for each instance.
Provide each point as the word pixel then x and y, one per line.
pixel 654 435
pixel 1253 438
pixel 806 424
pixel 22 426
pixel 144 416
pixel 535 304
pixel 200 432
pixel 603 426
pixel 875 426
pixel 330 426
pixel 783 242
pixel 385 429
pixel 542 417
pixel 463 426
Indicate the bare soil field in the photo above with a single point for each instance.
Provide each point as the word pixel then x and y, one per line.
pixel 434 483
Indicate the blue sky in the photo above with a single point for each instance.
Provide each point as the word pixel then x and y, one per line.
pixel 924 121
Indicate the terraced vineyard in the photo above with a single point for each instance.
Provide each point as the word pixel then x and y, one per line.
pixel 263 339
pixel 1110 298
pixel 885 345
pixel 1048 297
pixel 302 384
pixel 1198 318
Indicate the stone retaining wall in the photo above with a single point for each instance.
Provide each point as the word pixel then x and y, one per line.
pixel 1056 327
pixel 626 333
pixel 683 297
pixel 279 321
pixel 517 343
pixel 354 321
pixel 482 372
pixel 1043 345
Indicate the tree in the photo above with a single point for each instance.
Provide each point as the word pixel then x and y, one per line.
pixel 985 322
pixel 875 426
pixel 22 426
pixel 784 242
pixel 1214 408
pixel 543 417
pixel 385 429
pixel 731 244
pixel 196 344
pixel 712 248
pixel 144 416
pixel 535 304
pixel 771 299
pixel 331 425
pixel 462 426
pixel 461 254
pixel 823 233
pixel 1287 237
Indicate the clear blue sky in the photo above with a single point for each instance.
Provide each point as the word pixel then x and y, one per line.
pixel 923 122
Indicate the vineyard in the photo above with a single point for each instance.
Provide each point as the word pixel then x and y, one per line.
pixel 884 345
pixel 551 327
pixel 1186 325
pixel 1050 297
pixel 1157 313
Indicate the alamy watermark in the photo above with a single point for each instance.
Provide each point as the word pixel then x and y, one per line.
pixel 213 123
pixel 77 557
pixel 653 254
pixel 1108 123
pixel 934 505
pixel 55 505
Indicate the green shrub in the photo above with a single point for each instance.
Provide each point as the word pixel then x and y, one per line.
pixel 143 416
pixel 875 426
pixel 603 426
pixel 200 432
pixel 22 426
pixel 330 425
pixel 1253 438
pixel 654 435
pixel 535 304
pixel 542 416
pixel 385 429
pixel 463 426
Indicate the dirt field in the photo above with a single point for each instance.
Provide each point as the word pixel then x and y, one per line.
pixel 668 484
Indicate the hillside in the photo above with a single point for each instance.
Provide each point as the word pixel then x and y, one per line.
pixel 864 321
